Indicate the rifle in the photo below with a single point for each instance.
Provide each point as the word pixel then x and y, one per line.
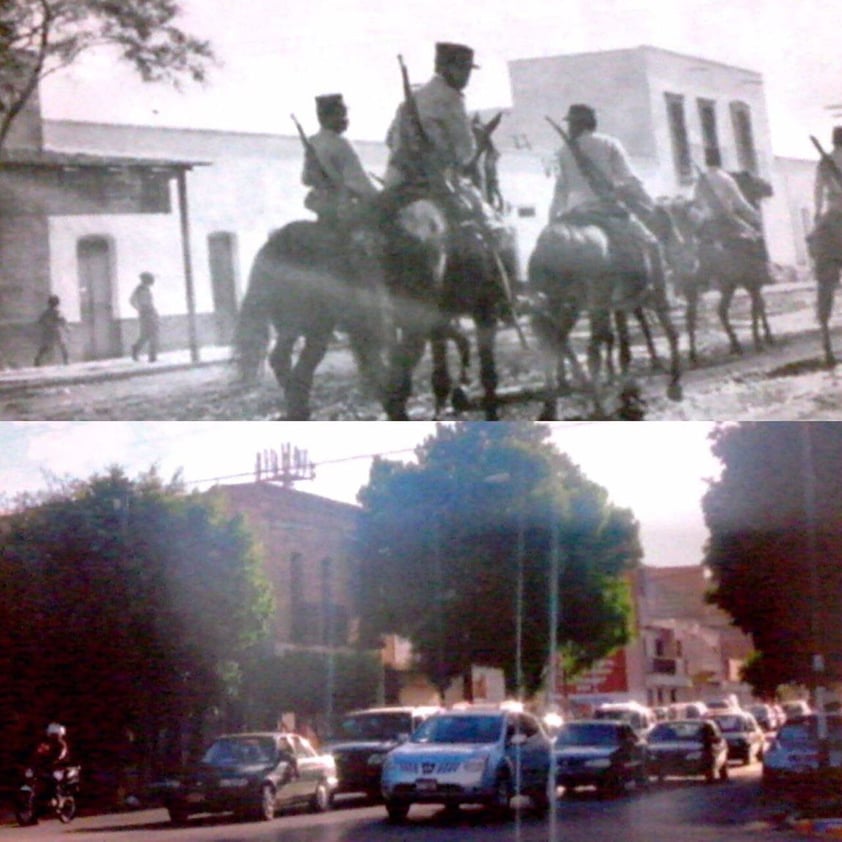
pixel 485 140
pixel 334 179
pixel 597 180
pixel 742 227
pixel 828 161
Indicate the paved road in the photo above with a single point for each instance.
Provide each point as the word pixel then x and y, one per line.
pixel 676 811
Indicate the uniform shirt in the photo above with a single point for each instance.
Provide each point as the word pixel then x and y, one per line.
pixel 141 299
pixel 572 190
pixel 728 194
pixel 445 121
pixel 827 191
pixel 340 160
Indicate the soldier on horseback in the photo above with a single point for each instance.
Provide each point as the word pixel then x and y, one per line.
pixel 826 238
pixel 597 186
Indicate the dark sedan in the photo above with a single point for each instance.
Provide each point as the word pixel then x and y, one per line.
pixel 604 754
pixel 793 763
pixel 688 747
pixel 253 775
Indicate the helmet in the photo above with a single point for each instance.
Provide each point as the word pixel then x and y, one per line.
pixel 56 730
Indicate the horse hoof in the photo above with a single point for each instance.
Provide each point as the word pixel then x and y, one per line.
pixel 459 400
pixel 675 392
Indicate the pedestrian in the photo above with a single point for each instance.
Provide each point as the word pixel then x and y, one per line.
pixel 142 300
pixel 596 185
pixel 825 240
pixel 53 327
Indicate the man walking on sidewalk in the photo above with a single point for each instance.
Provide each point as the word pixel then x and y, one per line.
pixel 143 302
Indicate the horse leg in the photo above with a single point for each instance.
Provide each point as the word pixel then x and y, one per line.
pixel 758 318
pixel 404 356
pixel 441 380
pixel 674 390
pixel 280 359
pixel 655 363
pixel 724 306
pixel 600 335
pixel 300 381
pixel 827 276
pixel 691 315
pixel 622 322
pixel 486 334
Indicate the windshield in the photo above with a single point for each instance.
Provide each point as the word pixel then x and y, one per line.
pixel 241 751
pixel 587 735
pixel 375 726
pixel 730 723
pixel 804 732
pixel 460 729
pixel 676 731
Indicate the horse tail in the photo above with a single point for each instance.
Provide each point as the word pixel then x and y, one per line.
pixel 251 337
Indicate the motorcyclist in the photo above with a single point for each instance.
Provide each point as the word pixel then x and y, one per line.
pixel 51 754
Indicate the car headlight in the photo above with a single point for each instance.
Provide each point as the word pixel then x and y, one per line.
pixel 694 755
pixel 598 763
pixel 475 764
pixel 375 759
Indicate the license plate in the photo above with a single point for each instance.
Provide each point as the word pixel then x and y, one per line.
pixel 426 786
pixel 195 797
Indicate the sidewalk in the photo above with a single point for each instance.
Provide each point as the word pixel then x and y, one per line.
pixel 17 379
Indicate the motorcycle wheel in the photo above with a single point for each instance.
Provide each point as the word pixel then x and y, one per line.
pixel 66 809
pixel 25 810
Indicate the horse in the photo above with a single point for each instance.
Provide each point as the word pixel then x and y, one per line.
pixel 573 269
pixel 700 257
pixel 306 284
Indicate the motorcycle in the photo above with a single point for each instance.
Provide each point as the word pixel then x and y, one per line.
pixel 54 792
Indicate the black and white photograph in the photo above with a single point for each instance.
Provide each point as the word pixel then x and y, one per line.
pixel 622 210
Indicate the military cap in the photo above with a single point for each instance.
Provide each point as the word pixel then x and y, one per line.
pixel 147 277
pixel 329 104
pixel 454 54
pixel 580 113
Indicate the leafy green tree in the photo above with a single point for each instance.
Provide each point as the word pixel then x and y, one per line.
pixel 38 37
pixel 137 606
pixel 439 544
pixel 775 546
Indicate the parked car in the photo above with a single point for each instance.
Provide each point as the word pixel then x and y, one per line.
pixel 600 753
pixel 688 747
pixel 766 716
pixel 795 708
pixel 363 739
pixel 791 762
pixel 745 738
pixel 253 775
pixel 640 717
pixel 469 757
pixel 687 710
pixel 725 704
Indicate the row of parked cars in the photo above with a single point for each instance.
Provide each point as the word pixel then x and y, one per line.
pixel 474 755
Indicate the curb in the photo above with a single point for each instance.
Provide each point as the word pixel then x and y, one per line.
pixel 824 827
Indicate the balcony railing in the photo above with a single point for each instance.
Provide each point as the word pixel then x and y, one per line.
pixel 664 666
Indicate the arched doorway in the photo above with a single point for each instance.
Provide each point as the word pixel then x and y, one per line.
pixel 100 333
pixel 222 248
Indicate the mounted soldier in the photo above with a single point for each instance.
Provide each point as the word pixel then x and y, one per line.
pixel 596 185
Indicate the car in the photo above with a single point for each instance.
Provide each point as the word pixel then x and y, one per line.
pixel 745 738
pixel 640 717
pixel 724 704
pixel 254 775
pixel 362 740
pixel 601 753
pixel 791 762
pixel 766 716
pixel 687 710
pixel 687 747
pixel 472 756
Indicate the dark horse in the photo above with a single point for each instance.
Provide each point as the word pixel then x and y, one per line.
pixel 305 285
pixel 573 270
pixel 701 258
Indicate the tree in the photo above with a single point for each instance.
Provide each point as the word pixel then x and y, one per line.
pixel 38 37
pixel 438 545
pixel 775 545
pixel 137 607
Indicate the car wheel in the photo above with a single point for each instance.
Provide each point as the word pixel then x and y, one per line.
pixel 502 797
pixel 540 801
pixel 67 809
pixel 397 810
pixel 178 815
pixel 266 809
pixel 642 777
pixel 723 772
pixel 320 799
pixel 710 773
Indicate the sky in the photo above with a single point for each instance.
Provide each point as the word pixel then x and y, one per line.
pixel 276 56
pixel 658 469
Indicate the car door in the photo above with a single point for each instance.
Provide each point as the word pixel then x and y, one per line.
pixel 289 786
pixel 534 751
pixel 310 767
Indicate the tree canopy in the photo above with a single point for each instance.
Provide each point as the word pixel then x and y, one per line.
pixel 439 541
pixel 38 37
pixel 775 545
pixel 126 605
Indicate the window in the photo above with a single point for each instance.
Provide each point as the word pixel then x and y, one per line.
pixel 707 117
pixel 678 135
pixel 744 136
